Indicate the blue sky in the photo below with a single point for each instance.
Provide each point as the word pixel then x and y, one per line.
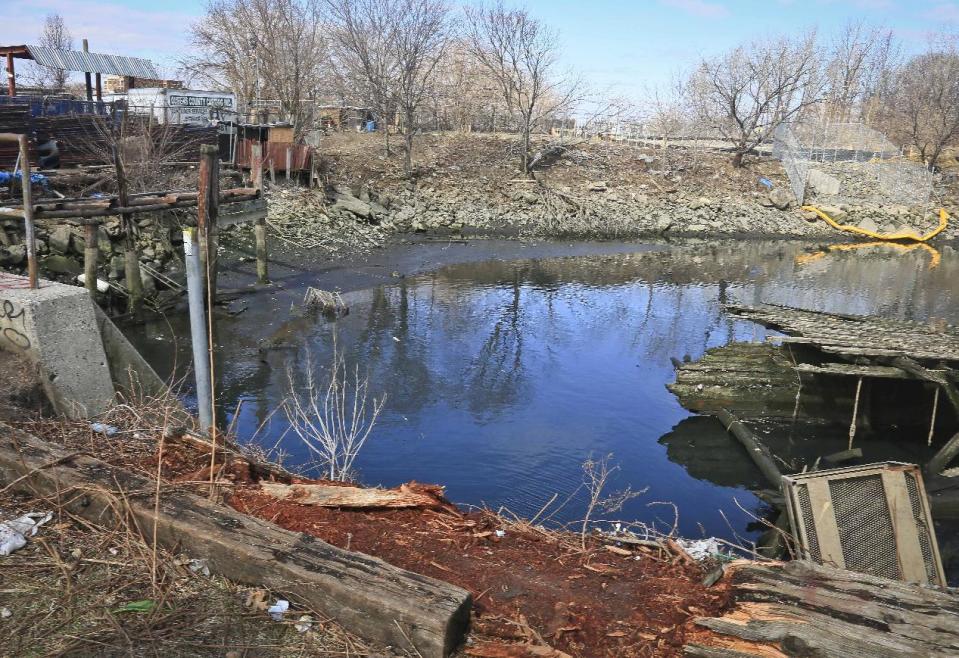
pixel 621 46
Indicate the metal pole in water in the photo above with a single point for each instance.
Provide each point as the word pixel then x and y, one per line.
pixel 198 333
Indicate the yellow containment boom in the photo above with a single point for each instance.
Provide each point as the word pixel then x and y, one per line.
pixel 904 235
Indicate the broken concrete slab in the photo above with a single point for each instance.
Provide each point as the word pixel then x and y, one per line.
pixel 55 327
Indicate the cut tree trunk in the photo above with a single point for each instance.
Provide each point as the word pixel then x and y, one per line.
pixel 371 598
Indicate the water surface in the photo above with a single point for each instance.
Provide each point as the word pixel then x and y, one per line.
pixel 502 378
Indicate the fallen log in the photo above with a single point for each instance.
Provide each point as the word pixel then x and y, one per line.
pixel 423 496
pixel 373 599
pixel 804 609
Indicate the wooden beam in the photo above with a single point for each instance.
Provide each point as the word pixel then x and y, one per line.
pixel 11 77
pixel 371 598
pixel 757 451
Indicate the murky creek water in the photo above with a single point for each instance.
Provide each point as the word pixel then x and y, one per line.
pixel 503 377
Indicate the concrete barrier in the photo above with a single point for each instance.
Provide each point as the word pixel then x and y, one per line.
pixel 56 328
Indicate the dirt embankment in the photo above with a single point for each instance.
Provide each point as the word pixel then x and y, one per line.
pixel 537 592
pixel 591 189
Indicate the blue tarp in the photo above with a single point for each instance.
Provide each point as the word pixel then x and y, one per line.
pixel 36 179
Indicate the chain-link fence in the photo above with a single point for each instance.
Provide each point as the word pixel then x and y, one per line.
pixel 848 163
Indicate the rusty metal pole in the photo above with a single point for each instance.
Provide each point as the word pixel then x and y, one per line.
pixel 11 77
pixel 207 211
pixel 28 210
pixel 86 75
pixel 91 253
pixel 259 230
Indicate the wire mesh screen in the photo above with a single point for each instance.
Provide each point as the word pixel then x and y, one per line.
pixel 925 533
pixel 865 526
pixel 848 163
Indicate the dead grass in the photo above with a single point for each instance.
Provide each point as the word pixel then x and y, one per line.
pixel 79 589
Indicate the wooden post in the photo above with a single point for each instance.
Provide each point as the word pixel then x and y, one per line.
pixel 99 87
pixel 262 257
pixel 131 258
pixel 207 210
pixel 289 162
pixel 86 75
pixel 91 253
pixel 11 77
pixel 28 211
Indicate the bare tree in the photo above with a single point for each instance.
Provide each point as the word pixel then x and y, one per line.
pixel 421 35
pixel 391 48
pixel 54 34
pixel 667 112
pixel 263 49
pixel 857 73
pixel 746 93
pixel 364 53
pixel 521 55
pixel 333 419
pixel 926 101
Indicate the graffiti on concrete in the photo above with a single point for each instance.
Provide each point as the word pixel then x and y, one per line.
pixel 13 330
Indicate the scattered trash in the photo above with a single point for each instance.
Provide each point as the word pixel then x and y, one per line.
pixel 277 609
pixel 766 182
pixel 500 533
pixel 102 286
pixel 199 566
pixel 103 428
pixel 144 605
pixel 701 549
pixel 5 612
pixel 14 533
pixel 304 623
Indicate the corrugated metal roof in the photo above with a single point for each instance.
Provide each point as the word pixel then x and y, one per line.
pixel 77 60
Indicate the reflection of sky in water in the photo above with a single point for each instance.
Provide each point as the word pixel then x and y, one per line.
pixel 504 377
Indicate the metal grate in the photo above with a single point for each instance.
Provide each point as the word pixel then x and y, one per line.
pixel 925 532
pixel 872 519
pixel 805 508
pixel 865 526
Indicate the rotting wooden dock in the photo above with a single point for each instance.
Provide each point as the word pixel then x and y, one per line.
pixel 804 609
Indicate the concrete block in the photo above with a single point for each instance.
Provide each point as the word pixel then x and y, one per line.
pixel 56 327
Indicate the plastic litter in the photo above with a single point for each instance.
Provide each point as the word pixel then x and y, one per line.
pixel 199 566
pixel 765 181
pixel 5 612
pixel 14 533
pixel 102 286
pixel 701 549
pixel 304 623
pixel 500 533
pixel 102 428
pixel 277 609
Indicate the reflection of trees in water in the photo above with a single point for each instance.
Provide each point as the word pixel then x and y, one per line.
pixel 495 379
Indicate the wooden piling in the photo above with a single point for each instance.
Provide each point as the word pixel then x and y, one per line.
pixel 91 254
pixel 86 76
pixel 131 258
pixel 27 192
pixel 259 231
pixel 207 210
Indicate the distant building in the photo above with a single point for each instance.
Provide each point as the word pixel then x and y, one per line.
pixel 177 105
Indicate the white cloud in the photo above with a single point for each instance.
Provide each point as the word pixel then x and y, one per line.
pixel 699 8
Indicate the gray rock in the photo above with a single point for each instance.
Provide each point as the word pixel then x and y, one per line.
pixel 352 205
pixel 780 198
pixel 823 183
pixel 60 240
pixel 868 224
pixel 13 256
pixel 58 264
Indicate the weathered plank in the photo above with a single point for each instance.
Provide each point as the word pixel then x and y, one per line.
pixel 804 609
pixel 366 595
